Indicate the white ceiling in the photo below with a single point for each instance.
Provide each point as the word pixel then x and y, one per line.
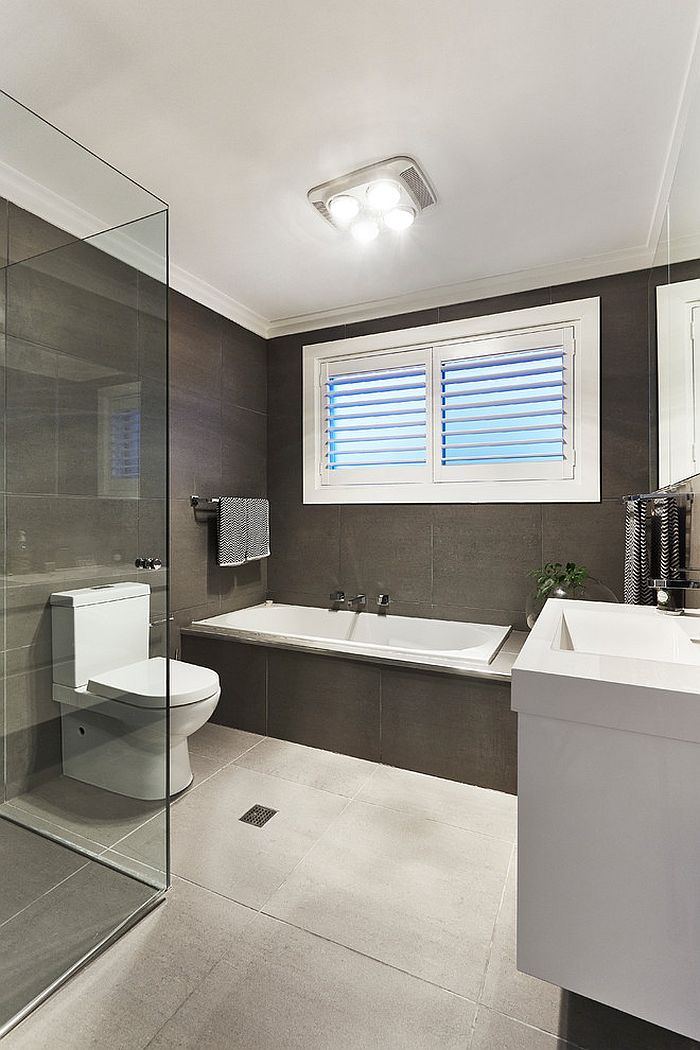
pixel 545 127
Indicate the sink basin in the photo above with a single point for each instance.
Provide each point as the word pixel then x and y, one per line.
pixel 648 663
pixel 632 632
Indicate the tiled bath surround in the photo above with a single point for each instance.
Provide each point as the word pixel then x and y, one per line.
pixel 455 727
pixel 461 561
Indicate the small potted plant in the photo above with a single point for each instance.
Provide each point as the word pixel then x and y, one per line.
pixel 555 580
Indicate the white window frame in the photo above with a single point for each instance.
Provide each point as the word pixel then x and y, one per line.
pixel 580 482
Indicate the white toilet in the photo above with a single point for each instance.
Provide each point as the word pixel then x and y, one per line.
pixel 114 712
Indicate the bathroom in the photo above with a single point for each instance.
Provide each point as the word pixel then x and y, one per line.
pixel 295 751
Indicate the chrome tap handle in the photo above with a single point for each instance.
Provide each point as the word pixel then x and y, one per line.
pixel 337 596
pixel 383 601
pixel 360 600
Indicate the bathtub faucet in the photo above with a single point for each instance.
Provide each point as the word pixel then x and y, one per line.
pixel 337 598
pixel 358 602
pixel 383 602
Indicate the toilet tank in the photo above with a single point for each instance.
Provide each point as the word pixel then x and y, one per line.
pixel 97 629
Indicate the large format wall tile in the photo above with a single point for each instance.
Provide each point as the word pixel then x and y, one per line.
pixel 594 537
pixel 454 727
pixel 305 541
pixel 482 554
pixel 324 702
pixel 244 368
pixel 195 347
pixel 386 550
pixel 243 673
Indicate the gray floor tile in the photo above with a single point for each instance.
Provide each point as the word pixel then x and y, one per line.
pixel 464 806
pixel 210 845
pixel 577 1020
pixel 57 930
pixel 98 815
pixel 325 770
pixel 220 743
pixel 31 820
pixel 495 1032
pixel 416 894
pixel 508 990
pixel 284 989
pixel 203 767
pixel 145 851
pixel 31 865
pixel 121 1000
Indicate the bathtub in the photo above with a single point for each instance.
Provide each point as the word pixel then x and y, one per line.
pixel 440 645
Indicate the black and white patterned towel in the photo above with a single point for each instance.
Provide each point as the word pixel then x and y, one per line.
pixel 637 589
pixel 257 529
pixel 666 513
pixel 232 531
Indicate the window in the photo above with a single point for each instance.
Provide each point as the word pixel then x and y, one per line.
pixel 493 409
pixel 119 439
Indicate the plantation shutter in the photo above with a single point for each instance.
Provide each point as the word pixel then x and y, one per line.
pixel 376 419
pixel 505 409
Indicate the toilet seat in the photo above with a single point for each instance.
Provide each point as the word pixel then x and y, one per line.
pixel 143 684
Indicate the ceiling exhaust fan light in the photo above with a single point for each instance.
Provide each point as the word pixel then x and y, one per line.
pixel 383 195
pixel 365 230
pixel 399 218
pixel 344 207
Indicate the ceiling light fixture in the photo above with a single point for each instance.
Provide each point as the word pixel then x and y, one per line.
pixel 400 218
pixel 365 230
pixel 385 197
pixel 344 208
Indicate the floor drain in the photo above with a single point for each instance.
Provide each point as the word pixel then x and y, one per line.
pixel 258 815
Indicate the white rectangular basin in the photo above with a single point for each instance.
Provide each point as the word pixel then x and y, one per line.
pixel 631 632
pixel 649 663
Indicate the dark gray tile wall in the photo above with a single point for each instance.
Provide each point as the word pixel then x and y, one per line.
pixel 449 726
pixel 462 561
pixel 218 446
pixel 77 323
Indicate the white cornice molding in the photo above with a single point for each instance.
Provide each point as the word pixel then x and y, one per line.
pixel 483 288
pixel 188 284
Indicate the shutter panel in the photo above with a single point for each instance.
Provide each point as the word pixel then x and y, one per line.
pixel 505 408
pixel 376 419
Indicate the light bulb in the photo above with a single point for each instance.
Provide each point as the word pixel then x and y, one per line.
pixel 399 218
pixel 365 230
pixel 344 208
pixel 383 195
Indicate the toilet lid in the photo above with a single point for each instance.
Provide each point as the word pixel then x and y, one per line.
pixel 143 684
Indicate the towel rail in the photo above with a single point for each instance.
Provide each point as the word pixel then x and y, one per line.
pixel 196 501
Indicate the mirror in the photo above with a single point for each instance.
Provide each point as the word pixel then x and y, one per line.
pixel 675 290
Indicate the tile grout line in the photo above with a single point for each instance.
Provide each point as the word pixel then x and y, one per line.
pixel 493 930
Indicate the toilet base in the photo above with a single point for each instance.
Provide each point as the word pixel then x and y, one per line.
pixel 130 762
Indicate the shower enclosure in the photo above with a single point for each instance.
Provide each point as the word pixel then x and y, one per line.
pixel 83 310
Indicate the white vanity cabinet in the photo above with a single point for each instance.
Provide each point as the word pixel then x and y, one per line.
pixel 609 808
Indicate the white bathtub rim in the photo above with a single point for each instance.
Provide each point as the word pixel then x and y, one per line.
pixel 420 660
